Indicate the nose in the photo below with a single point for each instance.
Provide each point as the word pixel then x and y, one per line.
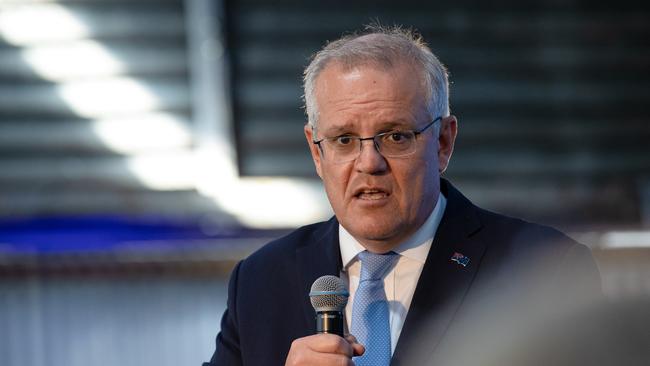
pixel 370 161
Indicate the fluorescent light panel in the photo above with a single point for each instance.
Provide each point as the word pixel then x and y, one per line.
pixel 137 134
pixel 74 60
pixel 626 239
pixel 24 23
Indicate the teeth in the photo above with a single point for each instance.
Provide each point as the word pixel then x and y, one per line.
pixel 372 195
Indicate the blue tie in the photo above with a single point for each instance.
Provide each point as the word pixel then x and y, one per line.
pixel 370 322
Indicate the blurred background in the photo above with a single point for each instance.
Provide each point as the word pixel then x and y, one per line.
pixel 146 146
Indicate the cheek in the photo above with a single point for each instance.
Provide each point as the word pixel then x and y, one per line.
pixel 335 179
pixel 418 183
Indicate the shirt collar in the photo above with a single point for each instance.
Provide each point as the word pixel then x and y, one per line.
pixel 416 247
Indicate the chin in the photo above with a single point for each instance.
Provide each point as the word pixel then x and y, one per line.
pixel 374 232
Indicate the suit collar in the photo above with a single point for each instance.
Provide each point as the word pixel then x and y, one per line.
pixel 443 282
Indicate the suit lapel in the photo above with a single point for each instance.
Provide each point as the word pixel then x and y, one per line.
pixel 319 257
pixel 443 282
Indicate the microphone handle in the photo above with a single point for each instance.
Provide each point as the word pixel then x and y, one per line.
pixel 330 322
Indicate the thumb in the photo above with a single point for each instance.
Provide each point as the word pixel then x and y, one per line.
pixel 357 348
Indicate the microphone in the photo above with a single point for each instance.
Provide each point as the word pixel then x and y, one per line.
pixel 329 296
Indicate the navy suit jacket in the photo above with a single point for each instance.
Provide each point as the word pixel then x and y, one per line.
pixel 513 266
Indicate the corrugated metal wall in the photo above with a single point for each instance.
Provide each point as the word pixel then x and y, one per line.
pixel 109 321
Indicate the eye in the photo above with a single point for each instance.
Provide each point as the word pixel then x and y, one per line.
pixel 397 137
pixel 342 140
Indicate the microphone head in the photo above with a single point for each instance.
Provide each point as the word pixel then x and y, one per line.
pixel 328 293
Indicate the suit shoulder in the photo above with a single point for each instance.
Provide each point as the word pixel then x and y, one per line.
pixel 278 250
pixel 535 251
pixel 522 231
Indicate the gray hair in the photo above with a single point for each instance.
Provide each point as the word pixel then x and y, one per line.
pixel 384 47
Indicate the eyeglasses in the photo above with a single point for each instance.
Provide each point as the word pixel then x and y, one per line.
pixel 391 144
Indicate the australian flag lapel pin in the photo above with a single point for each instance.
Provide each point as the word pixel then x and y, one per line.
pixel 460 259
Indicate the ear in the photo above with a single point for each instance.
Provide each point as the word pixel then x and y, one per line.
pixel 313 148
pixel 446 140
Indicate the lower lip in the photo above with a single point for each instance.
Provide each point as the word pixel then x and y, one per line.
pixel 372 202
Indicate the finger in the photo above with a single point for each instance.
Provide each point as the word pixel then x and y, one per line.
pixel 330 343
pixel 357 348
pixel 331 359
pixel 350 338
pixel 320 349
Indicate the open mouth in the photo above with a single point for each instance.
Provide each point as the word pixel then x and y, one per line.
pixel 371 194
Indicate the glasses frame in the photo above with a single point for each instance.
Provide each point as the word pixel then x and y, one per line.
pixel 374 139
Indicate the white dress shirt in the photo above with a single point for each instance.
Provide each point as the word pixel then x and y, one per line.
pixel 400 282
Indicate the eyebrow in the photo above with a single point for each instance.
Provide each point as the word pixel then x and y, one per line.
pixel 384 126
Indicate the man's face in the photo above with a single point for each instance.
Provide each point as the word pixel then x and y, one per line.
pixel 380 201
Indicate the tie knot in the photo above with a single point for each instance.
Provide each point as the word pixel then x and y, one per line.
pixel 374 266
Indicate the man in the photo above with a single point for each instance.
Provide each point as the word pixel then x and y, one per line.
pixel 380 135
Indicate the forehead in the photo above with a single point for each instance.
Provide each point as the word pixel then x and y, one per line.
pixel 369 95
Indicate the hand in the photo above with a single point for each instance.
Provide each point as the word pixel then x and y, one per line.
pixel 324 350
